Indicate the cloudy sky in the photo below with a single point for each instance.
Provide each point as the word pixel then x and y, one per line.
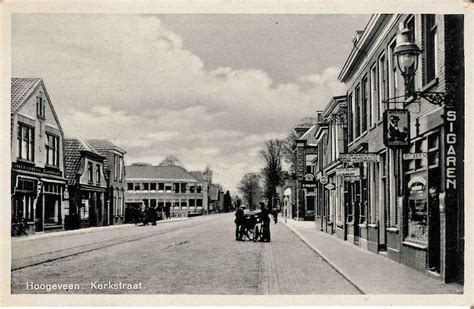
pixel 209 89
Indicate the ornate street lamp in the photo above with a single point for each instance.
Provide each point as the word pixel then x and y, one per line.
pixel 407 52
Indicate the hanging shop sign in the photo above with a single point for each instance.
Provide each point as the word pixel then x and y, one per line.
pixel 348 171
pixel 309 177
pixel 330 186
pixel 323 180
pixel 359 157
pixel 414 156
pixel 396 128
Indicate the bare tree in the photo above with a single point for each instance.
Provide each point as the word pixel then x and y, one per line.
pixel 250 188
pixel 289 152
pixel 272 171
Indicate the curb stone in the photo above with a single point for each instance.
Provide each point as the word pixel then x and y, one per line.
pixel 326 259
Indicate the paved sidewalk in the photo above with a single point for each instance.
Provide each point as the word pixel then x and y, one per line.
pixel 370 272
pixel 94 229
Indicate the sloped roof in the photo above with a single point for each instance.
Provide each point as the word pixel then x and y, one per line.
pixel 103 144
pixel 171 160
pixel 159 173
pixel 307 122
pixel 104 147
pixel 72 150
pixel 309 136
pixel 21 90
pixel 198 174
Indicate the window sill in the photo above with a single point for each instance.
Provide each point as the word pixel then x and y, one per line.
pixel 414 244
pixel 393 229
pixel 53 167
pixel 373 225
pixel 25 161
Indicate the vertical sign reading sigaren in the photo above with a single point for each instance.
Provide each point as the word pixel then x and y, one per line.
pixel 451 140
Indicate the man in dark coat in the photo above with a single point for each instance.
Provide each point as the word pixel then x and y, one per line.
pixel 239 221
pixel 264 215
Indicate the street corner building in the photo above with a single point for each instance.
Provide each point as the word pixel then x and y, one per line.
pixel 38 181
pixel 168 187
pixel 114 170
pixel 385 160
pixel 87 186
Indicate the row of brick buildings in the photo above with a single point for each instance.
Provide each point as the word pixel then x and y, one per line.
pixel 59 182
pixel 404 202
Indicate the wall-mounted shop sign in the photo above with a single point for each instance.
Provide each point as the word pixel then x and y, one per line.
pixel 359 157
pixel 41 170
pixel 396 128
pixel 308 185
pixel 348 171
pixel 451 149
pixel 414 156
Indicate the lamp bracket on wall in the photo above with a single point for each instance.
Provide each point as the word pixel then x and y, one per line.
pixel 436 98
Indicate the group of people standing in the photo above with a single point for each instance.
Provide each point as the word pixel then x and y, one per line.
pixel 242 222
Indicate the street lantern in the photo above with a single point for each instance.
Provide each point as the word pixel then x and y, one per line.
pixel 406 52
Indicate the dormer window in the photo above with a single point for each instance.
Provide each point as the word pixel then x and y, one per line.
pixel 40 107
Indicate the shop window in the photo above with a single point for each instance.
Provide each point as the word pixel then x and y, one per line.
pixel 52 150
pixel 146 202
pixel 129 186
pixel 176 204
pixel 199 203
pixel 184 204
pixel 146 186
pixel 161 186
pixel 176 187
pixel 417 212
pixel 153 186
pixel 153 203
pixel 115 206
pixel 183 188
pixel 168 187
pixel 137 186
pixel 192 203
pixel 84 209
pixel 191 188
pixel 26 142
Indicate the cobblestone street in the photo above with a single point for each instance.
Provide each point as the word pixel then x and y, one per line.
pixel 196 256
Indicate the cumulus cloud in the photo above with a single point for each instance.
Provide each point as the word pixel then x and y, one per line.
pixel 130 79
